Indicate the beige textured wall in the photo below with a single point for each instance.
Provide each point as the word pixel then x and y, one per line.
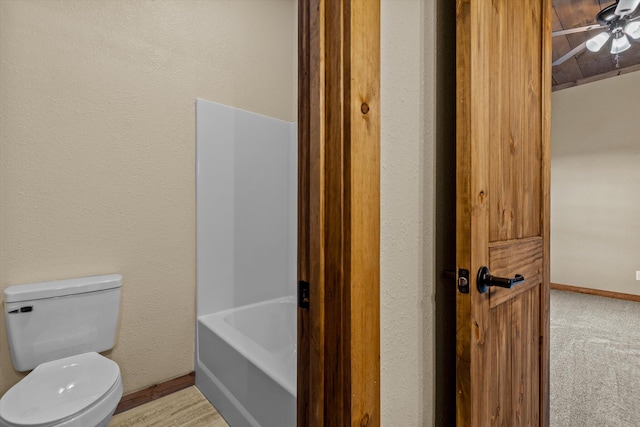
pixel 97 149
pixel 595 181
pixel 408 33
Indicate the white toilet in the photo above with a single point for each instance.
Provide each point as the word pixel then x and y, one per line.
pixel 56 328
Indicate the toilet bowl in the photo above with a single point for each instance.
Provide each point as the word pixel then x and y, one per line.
pixel 77 391
pixel 56 329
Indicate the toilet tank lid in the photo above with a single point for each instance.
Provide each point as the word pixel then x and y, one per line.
pixel 58 288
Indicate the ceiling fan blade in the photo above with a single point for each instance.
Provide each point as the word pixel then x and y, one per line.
pixel 582 46
pixel 577 30
pixel 626 7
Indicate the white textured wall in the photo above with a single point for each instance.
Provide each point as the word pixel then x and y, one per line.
pixel 595 185
pixel 97 122
pixel 407 212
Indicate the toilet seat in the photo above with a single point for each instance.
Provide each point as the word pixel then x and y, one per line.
pixel 60 390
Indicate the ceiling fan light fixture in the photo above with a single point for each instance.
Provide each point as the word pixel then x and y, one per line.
pixel 595 43
pixel 633 29
pixel 620 43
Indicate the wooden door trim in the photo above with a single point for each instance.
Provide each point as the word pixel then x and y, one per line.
pixel 339 212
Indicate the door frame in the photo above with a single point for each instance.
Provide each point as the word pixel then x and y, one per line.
pixel 339 212
pixel 333 361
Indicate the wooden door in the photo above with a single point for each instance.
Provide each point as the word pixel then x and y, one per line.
pixel 502 219
pixel 339 212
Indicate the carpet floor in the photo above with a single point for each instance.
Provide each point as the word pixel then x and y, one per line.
pixel 595 361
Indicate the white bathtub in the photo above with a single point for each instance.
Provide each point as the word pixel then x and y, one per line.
pixel 246 362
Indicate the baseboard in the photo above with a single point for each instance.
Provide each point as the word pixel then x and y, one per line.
pixel 598 292
pixel 154 392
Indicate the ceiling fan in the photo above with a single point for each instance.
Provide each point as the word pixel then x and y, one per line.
pixel 618 22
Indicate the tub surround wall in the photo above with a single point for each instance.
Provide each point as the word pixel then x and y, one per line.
pixel 595 208
pixel 97 147
pixel 246 199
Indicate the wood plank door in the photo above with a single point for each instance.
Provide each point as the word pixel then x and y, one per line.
pixel 502 219
pixel 339 213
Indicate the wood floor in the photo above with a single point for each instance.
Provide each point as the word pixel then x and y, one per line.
pixel 185 408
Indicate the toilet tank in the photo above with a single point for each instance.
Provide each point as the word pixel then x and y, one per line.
pixel 51 320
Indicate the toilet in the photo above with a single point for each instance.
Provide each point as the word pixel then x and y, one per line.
pixel 57 329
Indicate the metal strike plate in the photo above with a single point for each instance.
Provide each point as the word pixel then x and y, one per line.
pixel 463 281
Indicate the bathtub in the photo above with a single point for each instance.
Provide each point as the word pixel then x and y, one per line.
pixel 246 362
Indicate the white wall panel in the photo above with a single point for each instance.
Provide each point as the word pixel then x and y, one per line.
pixel 246 178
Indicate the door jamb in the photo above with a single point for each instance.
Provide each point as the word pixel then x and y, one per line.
pixel 339 212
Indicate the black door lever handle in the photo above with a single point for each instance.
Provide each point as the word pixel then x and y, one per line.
pixel 485 279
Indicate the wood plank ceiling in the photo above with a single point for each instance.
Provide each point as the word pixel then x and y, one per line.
pixel 586 66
